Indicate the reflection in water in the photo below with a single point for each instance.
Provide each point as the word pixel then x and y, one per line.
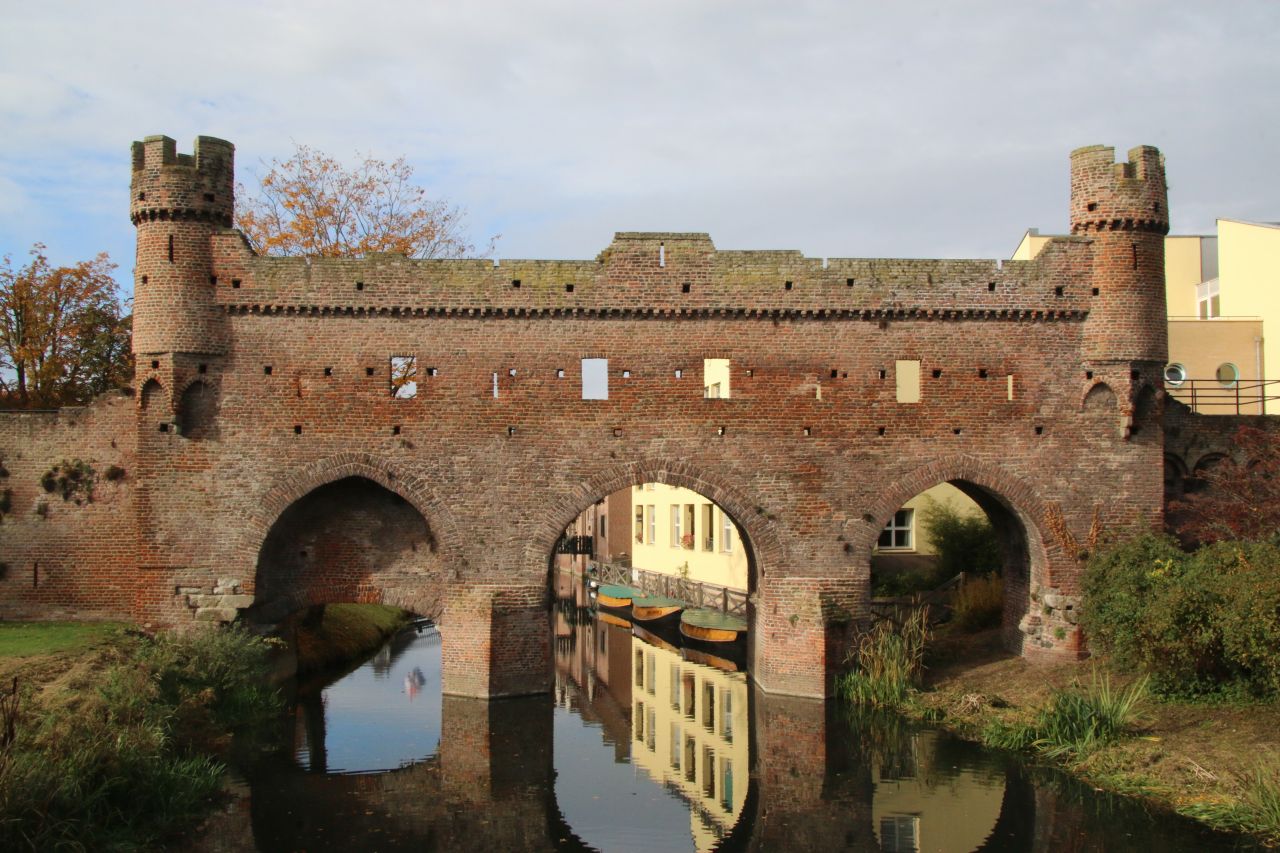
pixel 644 750
pixel 667 767
pixel 379 716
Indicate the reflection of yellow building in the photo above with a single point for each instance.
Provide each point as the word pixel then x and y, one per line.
pixel 678 532
pixel 689 733
pixel 1222 292
pixel 913 808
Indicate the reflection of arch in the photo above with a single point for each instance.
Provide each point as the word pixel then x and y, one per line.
pixel 198 411
pixel 763 546
pixel 1012 506
pixel 152 394
pixel 1100 399
pixel 350 540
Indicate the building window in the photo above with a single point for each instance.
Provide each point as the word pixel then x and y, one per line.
pixel 603 534
pixel 897 534
pixel 1175 374
pixel 640 524
pixel 899 834
pixel 653 524
pixel 677 519
pixel 726 532
pixel 1207 299
pixel 1228 375
pixel 708 528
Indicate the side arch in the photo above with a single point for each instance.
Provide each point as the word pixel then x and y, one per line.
pixel 1020 518
pixel 292 486
pixel 1100 398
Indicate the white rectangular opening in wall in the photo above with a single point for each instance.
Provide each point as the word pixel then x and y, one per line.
pixel 715 378
pixel 595 379
pixel 404 377
pixel 907 375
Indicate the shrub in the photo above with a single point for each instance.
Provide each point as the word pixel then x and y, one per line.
pixel 979 603
pixel 887 662
pixel 1196 622
pixel 123 765
pixel 963 543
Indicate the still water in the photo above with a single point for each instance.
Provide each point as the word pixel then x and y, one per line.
pixel 646 746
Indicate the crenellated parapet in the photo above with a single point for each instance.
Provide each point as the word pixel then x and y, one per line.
pixel 1111 196
pixel 167 185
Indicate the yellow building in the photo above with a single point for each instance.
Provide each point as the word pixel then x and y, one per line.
pixel 1222 293
pixel 679 532
pixel 690 735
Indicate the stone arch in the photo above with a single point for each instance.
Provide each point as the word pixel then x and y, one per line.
pixel 197 410
pixel 1100 398
pixel 1014 508
pixel 291 486
pixel 1146 413
pixel 1175 477
pixel 348 540
pixel 764 546
pixel 151 396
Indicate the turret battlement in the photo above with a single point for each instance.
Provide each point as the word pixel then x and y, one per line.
pixel 1111 196
pixel 167 185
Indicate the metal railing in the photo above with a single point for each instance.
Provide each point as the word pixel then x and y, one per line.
pixel 1211 397
pixel 575 545
pixel 898 608
pixel 693 593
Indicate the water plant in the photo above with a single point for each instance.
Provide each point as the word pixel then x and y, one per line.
pixel 1078 719
pixel 1256 809
pixel 886 662
pixel 979 603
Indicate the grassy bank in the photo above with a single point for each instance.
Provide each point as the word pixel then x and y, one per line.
pixel 343 632
pixel 108 737
pixel 1214 760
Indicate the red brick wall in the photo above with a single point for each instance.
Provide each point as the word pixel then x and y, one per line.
pixel 810 456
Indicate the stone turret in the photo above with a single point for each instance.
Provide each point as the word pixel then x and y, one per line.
pixel 177 202
pixel 1124 209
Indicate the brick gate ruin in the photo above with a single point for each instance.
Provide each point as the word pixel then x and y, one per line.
pixel 266 463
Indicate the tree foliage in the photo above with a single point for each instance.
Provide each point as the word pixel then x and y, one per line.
pixel 1238 498
pixel 63 334
pixel 963 542
pixel 310 204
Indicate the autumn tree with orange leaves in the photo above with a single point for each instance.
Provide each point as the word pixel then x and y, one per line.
pixel 63 333
pixel 310 204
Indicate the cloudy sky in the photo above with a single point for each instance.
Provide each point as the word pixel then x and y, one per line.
pixel 837 128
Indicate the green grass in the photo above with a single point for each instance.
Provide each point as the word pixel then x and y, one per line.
pixel 26 639
pixel 1257 809
pixel 125 761
pixel 346 632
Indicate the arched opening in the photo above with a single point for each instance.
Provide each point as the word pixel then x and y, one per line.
pixel 152 391
pixel 962 548
pixel 197 411
pixel 652 734
pixel 351 540
pixel 1101 400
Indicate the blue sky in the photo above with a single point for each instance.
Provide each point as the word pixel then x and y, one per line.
pixel 836 128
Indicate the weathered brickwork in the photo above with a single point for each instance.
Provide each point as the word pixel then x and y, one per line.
pixel 269 462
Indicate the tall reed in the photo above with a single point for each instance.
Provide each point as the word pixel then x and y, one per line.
pixel 887 662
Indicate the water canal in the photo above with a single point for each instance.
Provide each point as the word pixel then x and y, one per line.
pixel 643 747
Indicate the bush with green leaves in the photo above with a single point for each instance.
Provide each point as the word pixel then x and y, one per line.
pixel 963 543
pixel 1199 622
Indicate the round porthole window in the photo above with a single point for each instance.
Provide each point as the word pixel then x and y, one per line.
pixel 1228 374
pixel 1175 374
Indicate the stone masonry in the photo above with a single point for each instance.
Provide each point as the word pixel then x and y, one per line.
pixel 264 464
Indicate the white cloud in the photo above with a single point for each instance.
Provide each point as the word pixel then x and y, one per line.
pixel 836 128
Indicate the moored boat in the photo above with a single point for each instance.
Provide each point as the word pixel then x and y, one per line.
pixel 652 610
pixel 712 626
pixel 617 596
